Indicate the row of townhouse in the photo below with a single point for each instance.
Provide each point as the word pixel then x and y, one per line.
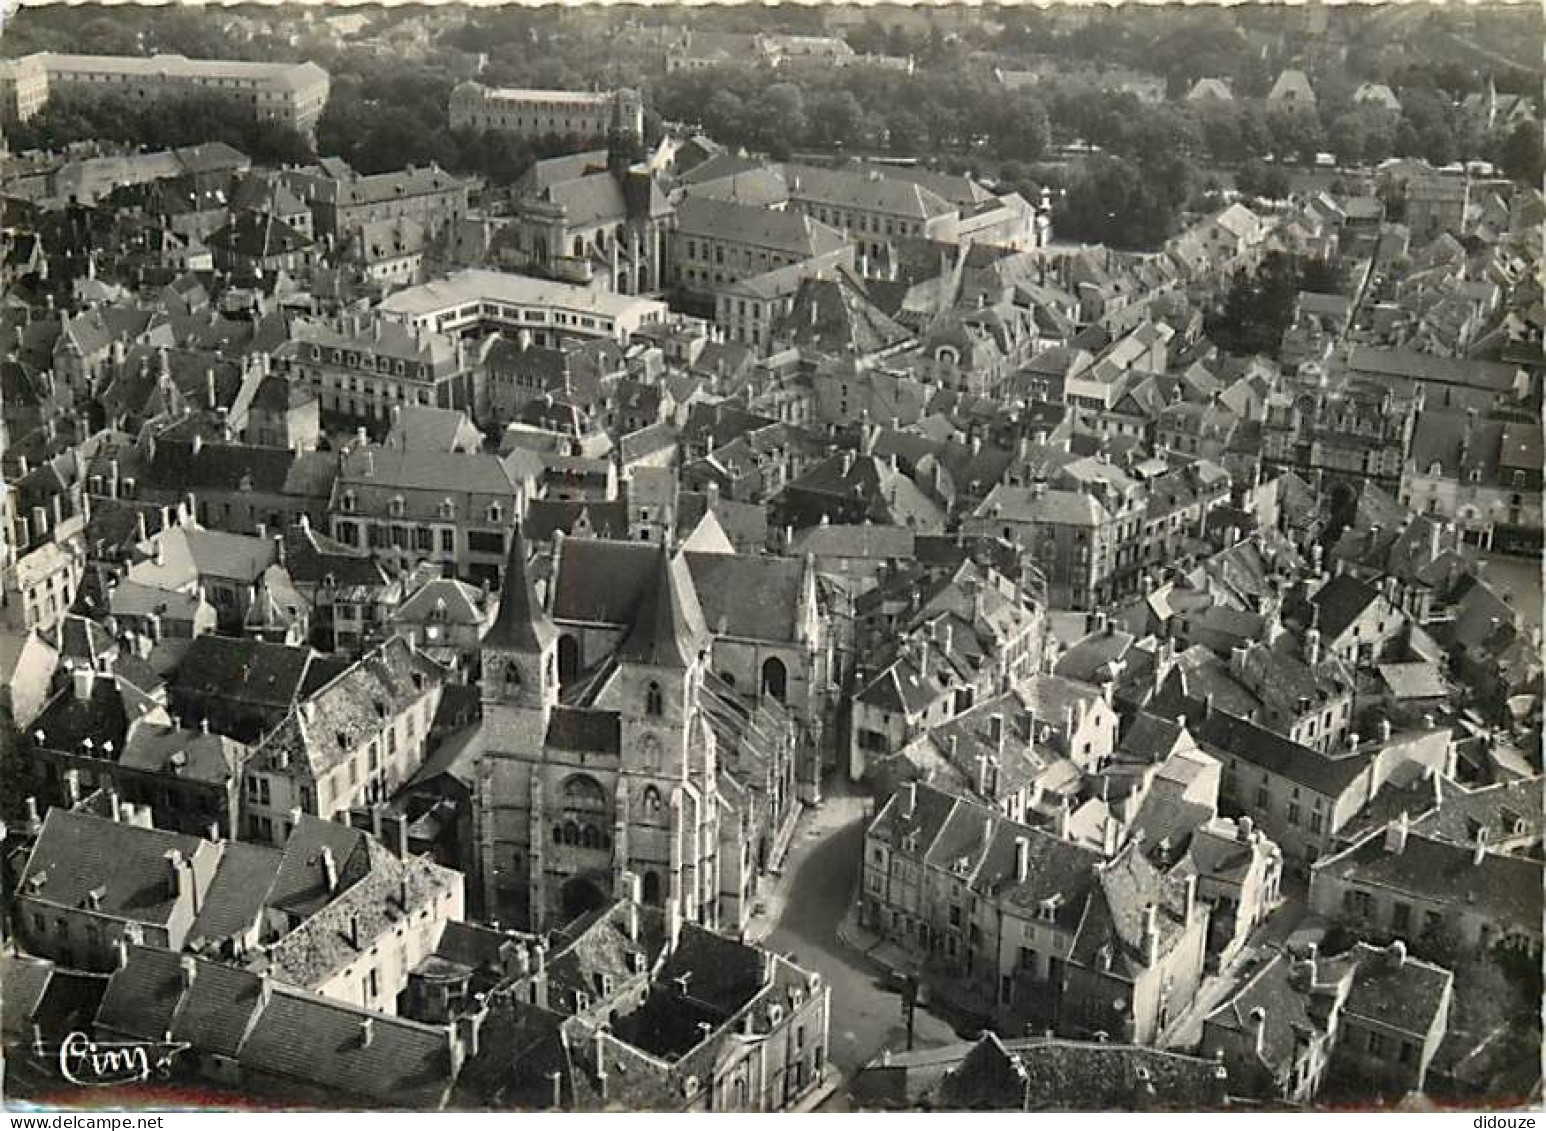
pixel 1055 932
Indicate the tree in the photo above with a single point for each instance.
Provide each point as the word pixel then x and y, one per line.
pixel 1113 201
pixel 1258 179
pixel 836 118
pixel 1348 137
pixel 1258 308
pixel 783 114
pixel 1020 129
pixel 1520 155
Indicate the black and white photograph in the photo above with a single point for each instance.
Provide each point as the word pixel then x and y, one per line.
pixel 737 558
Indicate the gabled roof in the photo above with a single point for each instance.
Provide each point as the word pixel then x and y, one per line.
pixel 118 869
pixel 668 629
pixel 522 624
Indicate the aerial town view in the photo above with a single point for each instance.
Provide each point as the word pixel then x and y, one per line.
pixel 771 559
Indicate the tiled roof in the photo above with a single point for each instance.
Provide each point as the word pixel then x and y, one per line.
pixel 374 905
pixel 334 721
pixel 1505 811
pixel 1392 988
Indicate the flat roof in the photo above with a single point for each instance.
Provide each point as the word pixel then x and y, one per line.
pixel 480 285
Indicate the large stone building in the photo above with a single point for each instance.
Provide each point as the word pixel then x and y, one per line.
pixel 623 778
pixel 342 201
pixel 360 371
pixel 23 89
pixel 541 113
pixel 592 216
pixel 292 94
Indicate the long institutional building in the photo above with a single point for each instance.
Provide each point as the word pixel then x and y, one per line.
pixel 538 113
pixel 552 312
pixel 293 94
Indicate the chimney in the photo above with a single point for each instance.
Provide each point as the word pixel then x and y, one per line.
pixel 673 924
pixel 982 775
pixel 1312 647
pixel 632 898
pixel 600 1043
pixel 1258 1026
pixel 1395 835
pixel 190 970
pixel 354 930
pixel 1151 935
pixel 174 873
pixel 1481 848
pixel 395 826
pixel 1022 859
pixel 329 869
pixel 910 806
pixel 367 1031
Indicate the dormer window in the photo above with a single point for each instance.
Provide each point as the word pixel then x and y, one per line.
pixel 396 506
pixel 496 513
pixel 447 509
pixel 349 502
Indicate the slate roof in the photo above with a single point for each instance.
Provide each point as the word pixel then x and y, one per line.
pixel 753 597
pixel 790 233
pixel 126 865
pixel 1330 776
pixel 318 1042
pixel 668 628
pixel 247 670
pixel 235 899
pixel 1507 890
pixel 521 624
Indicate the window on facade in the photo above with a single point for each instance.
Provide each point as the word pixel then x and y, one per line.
pixel 654 700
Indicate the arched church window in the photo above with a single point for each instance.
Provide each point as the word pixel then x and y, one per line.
pixel 654 700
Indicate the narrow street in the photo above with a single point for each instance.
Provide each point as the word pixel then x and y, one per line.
pixel 821 874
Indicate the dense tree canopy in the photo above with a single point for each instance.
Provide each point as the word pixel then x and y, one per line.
pixel 161 123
